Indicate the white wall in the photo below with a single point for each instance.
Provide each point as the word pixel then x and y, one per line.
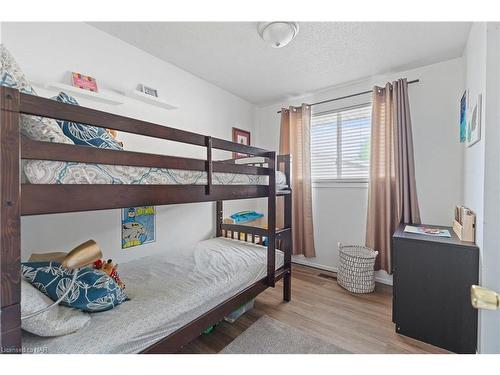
pixel 482 167
pixel 47 51
pixel 340 209
pixel 475 83
pixel 490 265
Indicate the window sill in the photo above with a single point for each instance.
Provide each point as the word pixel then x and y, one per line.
pixel 340 184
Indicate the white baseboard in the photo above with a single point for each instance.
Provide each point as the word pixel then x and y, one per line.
pixel 380 276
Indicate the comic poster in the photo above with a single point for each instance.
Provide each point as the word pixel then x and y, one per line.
pixel 138 226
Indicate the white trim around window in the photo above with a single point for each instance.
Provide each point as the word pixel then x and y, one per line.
pixel 340 141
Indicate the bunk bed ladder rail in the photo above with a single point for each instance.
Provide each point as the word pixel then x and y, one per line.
pixel 281 238
pixel 284 164
pixel 271 220
pixel 270 232
pixel 10 222
pixel 210 166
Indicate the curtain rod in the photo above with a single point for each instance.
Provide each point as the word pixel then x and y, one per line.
pixel 350 96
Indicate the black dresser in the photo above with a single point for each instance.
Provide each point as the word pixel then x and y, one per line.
pixel 431 294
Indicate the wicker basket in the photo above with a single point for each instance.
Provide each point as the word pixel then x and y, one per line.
pixel 356 269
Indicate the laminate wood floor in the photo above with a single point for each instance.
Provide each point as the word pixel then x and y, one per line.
pixel 359 323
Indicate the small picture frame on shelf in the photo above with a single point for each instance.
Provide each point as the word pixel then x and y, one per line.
pixel 148 90
pixel 83 82
pixel 243 138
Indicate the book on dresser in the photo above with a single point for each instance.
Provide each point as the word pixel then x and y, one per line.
pixel 431 293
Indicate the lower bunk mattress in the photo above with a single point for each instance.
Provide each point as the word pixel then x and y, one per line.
pixel 166 292
pixel 57 172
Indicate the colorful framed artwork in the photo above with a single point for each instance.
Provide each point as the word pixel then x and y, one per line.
pixel 83 82
pixel 243 138
pixel 474 123
pixel 138 226
pixel 463 117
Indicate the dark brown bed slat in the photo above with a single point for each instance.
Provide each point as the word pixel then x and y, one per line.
pixel 46 199
pixel 223 144
pixel 219 213
pixel 286 237
pixel 282 231
pixel 271 221
pixel 39 106
pixel 220 166
pixel 210 164
pixel 83 154
pixel 189 332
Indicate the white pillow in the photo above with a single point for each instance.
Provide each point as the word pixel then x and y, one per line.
pixel 58 321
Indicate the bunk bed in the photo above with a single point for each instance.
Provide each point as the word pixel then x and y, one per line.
pixel 18 199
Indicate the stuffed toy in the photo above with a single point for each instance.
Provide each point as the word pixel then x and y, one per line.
pixel 110 269
pixel 114 134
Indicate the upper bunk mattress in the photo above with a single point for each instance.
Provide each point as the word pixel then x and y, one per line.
pixel 57 172
pixel 166 292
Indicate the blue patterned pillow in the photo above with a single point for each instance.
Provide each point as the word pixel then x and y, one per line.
pixel 86 135
pixel 93 291
pixel 33 127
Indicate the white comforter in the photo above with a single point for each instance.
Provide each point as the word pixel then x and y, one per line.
pixel 167 291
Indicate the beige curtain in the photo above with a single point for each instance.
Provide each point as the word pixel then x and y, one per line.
pixel 392 193
pixel 295 140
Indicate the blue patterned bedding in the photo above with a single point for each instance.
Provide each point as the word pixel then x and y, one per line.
pixel 56 172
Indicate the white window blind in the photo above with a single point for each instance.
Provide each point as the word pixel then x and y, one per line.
pixel 340 144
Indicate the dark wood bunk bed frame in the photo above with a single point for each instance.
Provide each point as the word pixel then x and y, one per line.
pixel 18 199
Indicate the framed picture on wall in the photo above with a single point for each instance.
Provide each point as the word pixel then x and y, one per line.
pixel 463 117
pixel 474 122
pixel 138 226
pixel 243 138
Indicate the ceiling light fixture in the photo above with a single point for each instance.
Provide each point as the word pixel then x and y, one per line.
pixel 278 34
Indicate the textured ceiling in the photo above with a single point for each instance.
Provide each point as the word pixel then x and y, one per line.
pixel 232 56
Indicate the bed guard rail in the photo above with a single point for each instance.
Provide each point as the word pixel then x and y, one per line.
pixel 116 196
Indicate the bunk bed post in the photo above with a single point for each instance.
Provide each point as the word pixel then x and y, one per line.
pixel 287 277
pixel 271 220
pixel 210 165
pixel 218 218
pixel 10 222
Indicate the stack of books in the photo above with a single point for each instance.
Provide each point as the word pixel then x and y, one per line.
pixel 436 232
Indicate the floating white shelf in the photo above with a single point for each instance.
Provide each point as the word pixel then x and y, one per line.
pixel 105 97
pixel 139 95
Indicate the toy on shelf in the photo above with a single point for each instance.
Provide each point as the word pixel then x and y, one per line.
pixel 110 269
pixel 245 216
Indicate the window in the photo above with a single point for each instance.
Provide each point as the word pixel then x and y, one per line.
pixel 340 144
